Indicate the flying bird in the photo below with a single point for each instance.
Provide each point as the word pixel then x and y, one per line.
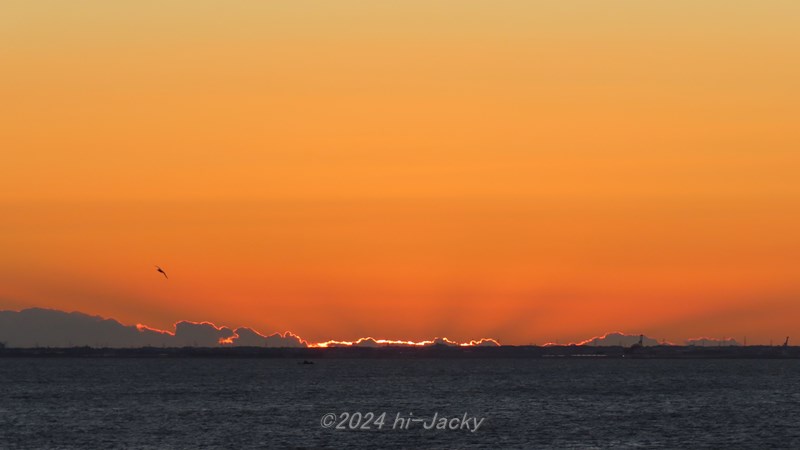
pixel 159 269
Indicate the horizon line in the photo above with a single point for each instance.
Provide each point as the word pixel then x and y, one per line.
pixel 228 336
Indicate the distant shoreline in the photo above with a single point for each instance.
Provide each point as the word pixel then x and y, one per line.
pixel 434 351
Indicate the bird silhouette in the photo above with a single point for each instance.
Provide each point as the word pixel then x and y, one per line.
pixel 159 269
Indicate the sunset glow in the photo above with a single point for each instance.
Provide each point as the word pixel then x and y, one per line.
pixel 367 341
pixel 391 342
pixel 524 171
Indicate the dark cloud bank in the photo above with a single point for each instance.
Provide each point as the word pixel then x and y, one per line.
pixel 38 327
pixel 626 340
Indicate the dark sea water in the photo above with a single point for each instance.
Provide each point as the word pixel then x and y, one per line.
pixel 277 403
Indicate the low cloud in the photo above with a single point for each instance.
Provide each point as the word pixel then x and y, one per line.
pixel 712 342
pixel 444 341
pixel 372 342
pixel 38 327
pixel 204 334
pixel 247 337
pixel 618 339
pixel 485 342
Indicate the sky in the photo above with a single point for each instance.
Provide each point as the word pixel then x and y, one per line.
pixel 523 170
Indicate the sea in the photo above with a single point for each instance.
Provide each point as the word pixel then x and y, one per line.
pixel 547 403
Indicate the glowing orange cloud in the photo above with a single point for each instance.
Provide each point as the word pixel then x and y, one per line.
pixel 372 342
pixel 234 338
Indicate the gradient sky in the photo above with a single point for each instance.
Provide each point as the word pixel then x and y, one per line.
pixel 530 171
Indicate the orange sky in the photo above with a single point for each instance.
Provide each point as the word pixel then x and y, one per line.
pixel 530 171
